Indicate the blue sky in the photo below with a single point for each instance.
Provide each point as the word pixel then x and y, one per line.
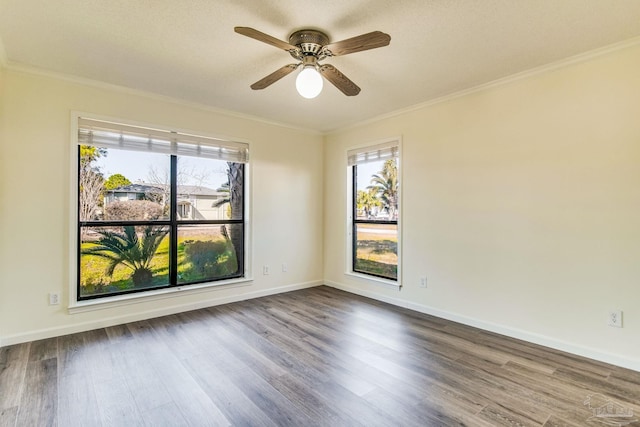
pixel 138 166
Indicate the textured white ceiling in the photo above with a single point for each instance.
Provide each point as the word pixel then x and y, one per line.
pixel 188 49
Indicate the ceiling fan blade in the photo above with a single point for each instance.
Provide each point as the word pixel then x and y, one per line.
pixel 357 44
pixel 265 38
pixel 339 80
pixel 274 77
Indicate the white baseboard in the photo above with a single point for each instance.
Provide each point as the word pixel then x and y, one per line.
pixel 591 353
pixel 163 311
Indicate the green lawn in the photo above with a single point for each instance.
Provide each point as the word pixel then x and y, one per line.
pixel 377 250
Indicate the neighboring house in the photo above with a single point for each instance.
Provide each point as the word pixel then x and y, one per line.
pixel 194 202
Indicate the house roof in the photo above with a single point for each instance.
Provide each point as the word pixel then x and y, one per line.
pixel 189 50
pixel 183 190
pixel 198 191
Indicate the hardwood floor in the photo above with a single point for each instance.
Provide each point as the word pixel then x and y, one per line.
pixel 312 357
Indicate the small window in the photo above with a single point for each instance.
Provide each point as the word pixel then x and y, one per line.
pixel 148 209
pixel 374 203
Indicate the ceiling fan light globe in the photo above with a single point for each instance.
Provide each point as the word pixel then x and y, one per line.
pixel 309 83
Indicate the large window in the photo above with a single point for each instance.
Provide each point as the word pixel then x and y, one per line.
pixel 374 210
pixel 157 209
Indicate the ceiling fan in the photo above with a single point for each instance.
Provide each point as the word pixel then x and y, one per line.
pixel 309 47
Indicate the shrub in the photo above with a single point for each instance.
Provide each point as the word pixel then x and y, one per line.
pixel 207 258
pixel 133 210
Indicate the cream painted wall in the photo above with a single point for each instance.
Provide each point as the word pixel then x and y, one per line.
pixel 35 173
pixel 3 204
pixel 520 203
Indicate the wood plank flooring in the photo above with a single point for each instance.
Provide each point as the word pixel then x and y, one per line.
pixel 316 357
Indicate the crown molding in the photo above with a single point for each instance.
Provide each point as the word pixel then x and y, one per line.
pixel 29 69
pixel 553 66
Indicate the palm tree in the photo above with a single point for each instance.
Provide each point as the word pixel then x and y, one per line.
pixel 128 249
pixel 234 186
pixel 366 201
pixel 385 186
pixel 236 194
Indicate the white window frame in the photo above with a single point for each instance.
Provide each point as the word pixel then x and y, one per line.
pixel 76 306
pixel 349 215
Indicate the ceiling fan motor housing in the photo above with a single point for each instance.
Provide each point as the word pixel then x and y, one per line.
pixel 310 42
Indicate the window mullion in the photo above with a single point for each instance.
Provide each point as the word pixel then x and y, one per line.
pixel 354 215
pixel 173 218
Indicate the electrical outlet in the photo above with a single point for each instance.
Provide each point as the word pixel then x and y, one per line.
pixel 265 270
pixel 54 298
pixel 423 282
pixel 284 267
pixel 615 318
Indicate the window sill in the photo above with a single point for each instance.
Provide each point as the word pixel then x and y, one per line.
pixel 376 280
pixel 158 294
